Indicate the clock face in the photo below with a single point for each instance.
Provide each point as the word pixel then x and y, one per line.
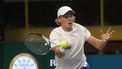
pixel 23 61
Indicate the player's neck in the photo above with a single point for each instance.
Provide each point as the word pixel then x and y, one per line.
pixel 67 29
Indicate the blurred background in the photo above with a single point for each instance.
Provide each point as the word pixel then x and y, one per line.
pixel 20 16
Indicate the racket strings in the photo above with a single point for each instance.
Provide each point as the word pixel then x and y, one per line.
pixel 37 44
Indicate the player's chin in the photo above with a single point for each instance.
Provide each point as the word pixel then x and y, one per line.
pixel 70 24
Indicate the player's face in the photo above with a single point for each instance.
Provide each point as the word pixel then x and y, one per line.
pixel 67 20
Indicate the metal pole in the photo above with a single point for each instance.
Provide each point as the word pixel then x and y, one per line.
pixel 102 13
pixel 26 16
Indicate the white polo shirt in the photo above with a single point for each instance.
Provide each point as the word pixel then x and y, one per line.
pixel 74 58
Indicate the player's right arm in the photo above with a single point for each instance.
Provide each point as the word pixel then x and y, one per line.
pixel 59 47
pixel 55 36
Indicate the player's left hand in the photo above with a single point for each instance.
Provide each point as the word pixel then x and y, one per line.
pixel 105 36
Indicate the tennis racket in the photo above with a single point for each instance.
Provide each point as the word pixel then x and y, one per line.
pixel 37 43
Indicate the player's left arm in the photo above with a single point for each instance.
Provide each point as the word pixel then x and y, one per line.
pixel 101 43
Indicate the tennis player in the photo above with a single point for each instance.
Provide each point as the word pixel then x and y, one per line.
pixel 73 57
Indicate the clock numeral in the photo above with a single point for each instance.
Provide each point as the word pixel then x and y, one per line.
pixel 23 60
pixel 32 64
pixel 28 61
pixel 19 61
pixel 16 65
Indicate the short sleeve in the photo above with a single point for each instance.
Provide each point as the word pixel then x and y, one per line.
pixel 85 31
pixel 87 34
pixel 54 36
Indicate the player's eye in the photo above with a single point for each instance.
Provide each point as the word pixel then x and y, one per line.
pixel 68 16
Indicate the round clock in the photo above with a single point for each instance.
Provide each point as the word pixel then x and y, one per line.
pixel 23 61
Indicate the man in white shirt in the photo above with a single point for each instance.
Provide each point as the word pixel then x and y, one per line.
pixel 73 57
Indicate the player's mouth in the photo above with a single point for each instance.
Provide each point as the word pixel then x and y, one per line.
pixel 69 23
